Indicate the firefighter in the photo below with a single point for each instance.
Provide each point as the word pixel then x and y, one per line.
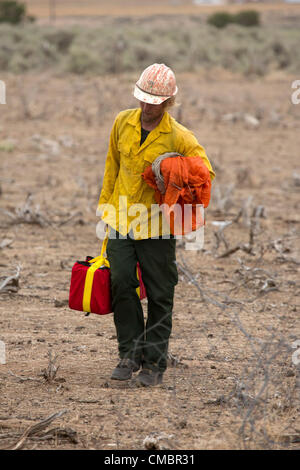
pixel 137 138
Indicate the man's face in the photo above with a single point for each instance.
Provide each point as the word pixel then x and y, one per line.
pixel 151 112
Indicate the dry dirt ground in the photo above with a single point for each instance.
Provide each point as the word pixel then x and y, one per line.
pixel 231 381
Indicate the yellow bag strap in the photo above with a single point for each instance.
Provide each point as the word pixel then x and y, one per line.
pixel 102 260
pixel 95 264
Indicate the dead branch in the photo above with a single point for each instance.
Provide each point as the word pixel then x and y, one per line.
pixel 11 283
pixel 258 278
pixel 50 372
pixel 27 214
pixel 230 251
pixel 279 247
pixel 245 211
pixel 85 400
pixel 23 378
pixel 223 198
pixel 30 214
pixel 253 230
pixel 289 438
pixel 247 248
pixel 219 235
pixel 241 396
pixel 158 441
pixel 63 433
pixel 63 222
pixel 7 435
pixel 6 242
pixel 259 212
pixel 173 361
pixel 36 428
pixel 252 222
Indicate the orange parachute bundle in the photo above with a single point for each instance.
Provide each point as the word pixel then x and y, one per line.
pixel 182 185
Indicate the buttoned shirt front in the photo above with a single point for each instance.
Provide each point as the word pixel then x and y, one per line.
pixel 126 200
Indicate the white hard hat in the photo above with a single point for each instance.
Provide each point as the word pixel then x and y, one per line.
pixel 156 84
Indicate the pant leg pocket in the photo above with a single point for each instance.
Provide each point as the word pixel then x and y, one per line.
pixel 171 265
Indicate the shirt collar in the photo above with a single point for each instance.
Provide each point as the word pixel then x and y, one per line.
pixel 164 125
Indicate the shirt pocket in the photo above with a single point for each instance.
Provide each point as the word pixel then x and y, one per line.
pixel 124 148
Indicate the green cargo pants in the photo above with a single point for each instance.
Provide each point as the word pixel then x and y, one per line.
pixel 146 344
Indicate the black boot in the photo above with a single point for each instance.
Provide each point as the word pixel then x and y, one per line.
pixel 124 369
pixel 148 377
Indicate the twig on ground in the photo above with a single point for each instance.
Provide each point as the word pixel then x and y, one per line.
pixel 219 235
pixel 11 283
pixel 63 433
pixel 23 378
pixel 253 230
pixel 158 441
pixel 173 361
pixel 279 247
pixel 63 222
pixel 258 278
pixel 6 242
pixel 36 428
pixel 223 198
pixel 50 372
pixel 28 214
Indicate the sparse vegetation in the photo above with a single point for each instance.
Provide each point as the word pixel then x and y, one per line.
pixel 220 19
pixel 243 18
pixel 13 12
pixel 124 46
pixel 247 18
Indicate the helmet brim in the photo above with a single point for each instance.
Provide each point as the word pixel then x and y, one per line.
pixel 148 98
